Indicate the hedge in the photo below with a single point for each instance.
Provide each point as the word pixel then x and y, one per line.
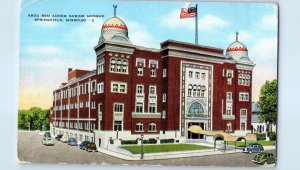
pixel 167 141
pixel 261 136
pixel 128 142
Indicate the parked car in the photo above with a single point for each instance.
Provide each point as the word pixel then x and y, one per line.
pixel 253 147
pixel 83 144
pixel 264 158
pixel 58 137
pixel 91 147
pixel 47 135
pixel 72 142
pixel 47 141
pixel 64 138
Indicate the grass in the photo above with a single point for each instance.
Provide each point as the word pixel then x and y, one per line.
pixel 136 149
pixel 263 143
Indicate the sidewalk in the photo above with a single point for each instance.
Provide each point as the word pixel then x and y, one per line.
pixel 126 155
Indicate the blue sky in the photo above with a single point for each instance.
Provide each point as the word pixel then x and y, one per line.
pixel 47 49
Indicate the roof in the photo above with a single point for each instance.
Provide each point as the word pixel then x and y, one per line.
pixel 255 107
pixel 227 137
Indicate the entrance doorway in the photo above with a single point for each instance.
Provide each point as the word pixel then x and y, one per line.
pixel 192 135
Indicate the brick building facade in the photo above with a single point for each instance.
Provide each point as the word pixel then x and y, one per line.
pixel 136 90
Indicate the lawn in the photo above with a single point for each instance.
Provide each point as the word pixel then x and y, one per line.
pixel 136 149
pixel 263 143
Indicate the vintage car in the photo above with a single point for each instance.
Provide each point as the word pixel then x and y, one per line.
pixel 64 138
pixel 91 147
pixel 72 142
pixel 47 141
pixel 264 158
pixel 253 147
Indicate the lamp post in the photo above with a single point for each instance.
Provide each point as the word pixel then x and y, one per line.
pixel 142 151
pixel 117 134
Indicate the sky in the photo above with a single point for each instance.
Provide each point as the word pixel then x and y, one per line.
pixel 49 48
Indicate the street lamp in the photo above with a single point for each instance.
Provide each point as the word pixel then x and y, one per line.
pixel 142 148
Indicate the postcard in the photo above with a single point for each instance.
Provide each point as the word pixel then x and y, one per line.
pixel 166 83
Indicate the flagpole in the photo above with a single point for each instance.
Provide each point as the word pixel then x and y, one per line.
pixel 196 25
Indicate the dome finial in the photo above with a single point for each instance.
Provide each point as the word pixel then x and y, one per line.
pixel 115 10
pixel 236 36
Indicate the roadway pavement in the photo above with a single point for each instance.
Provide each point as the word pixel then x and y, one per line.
pixel 31 150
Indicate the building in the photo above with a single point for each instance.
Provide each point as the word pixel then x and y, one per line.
pixel 135 90
pixel 258 126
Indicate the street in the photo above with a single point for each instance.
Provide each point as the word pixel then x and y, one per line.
pixel 30 149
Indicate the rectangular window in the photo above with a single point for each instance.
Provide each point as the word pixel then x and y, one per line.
pixel 100 87
pixel 243 126
pixel 190 74
pixel 140 71
pixel 197 75
pixel 152 108
pixel 139 108
pixel 243 96
pixel 140 89
pixel 164 72
pixel 152 90
pixel 164 97
pixel 118 87
pixel 203 76
pixel 243 112
pixel 117 125
pixel 118 108
pixel 164 114
pixel 153 72
pixel 228 111
pixel 229 96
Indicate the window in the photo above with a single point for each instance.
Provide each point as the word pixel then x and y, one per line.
pixel 229 81
pixel 243 112
pixel 164 72
pixel 229 96
pixel 244 79
pixel 152 108
pixel 139 107
pixel 100 87
pixel 152 90
pixel 190 74
pixel 190 90
pixel 229 127
pixel 164 97
pixel 153 72
pixel 203 76
pixel 139 127
pixel 243 126
pixel 202 93
pixel 100 65
pixel 197 75
pixel 140 71
pixel 118 65
pixel 194 90
pixel 140 89
pixel 228 111
pixel 164 114
pixel 118 108
pixel 118 87
pixel 243 96
pixel 152 127
pixel 117 125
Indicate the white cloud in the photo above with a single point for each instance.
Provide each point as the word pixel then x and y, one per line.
pixel 264 51
pixel 42 50
pixel 205 23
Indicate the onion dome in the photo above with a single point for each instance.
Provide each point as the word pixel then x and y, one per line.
pixel 114 25
pixel 237 50
pixel 114 30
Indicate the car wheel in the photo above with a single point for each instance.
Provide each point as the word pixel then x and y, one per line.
pixel 250 151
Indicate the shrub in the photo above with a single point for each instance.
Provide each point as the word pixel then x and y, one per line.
pixel 167 141
pixel 272 136
pixel 152 141
pixel 261 136
pixel 128 142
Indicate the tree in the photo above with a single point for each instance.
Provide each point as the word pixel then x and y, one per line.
pixel 268 103
pixel 37 118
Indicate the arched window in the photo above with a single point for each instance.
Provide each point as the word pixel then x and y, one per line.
pixel 229 127
pixel 190 90
pixel 198 90
pixel 125 66
pixel 152 127
pixel 194 90
pixel 139 127
pixel 195 110
pixel 112 65
pixel 119 66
